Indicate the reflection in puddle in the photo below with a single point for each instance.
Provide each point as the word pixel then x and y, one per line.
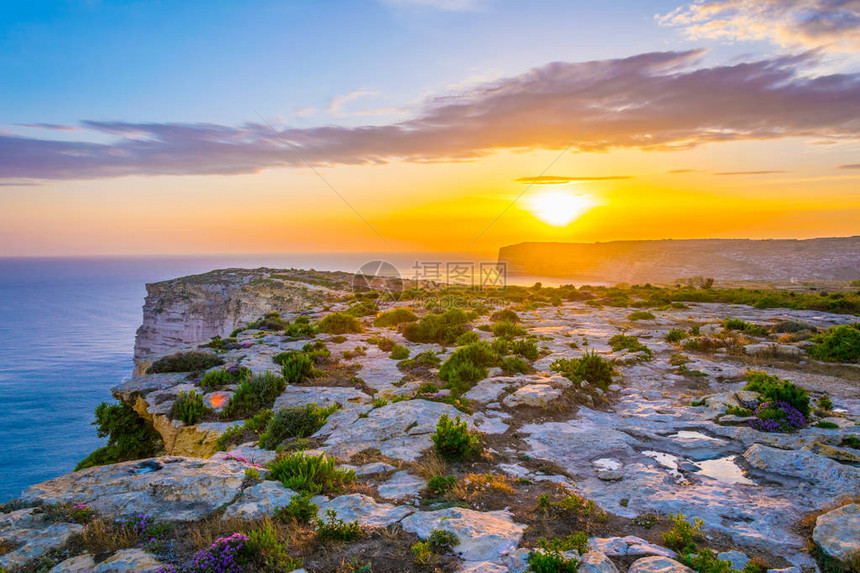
pixel 668 461
pixel 689 435
pixel 724 470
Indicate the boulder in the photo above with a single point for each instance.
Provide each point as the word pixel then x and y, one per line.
pixel 78 564
pixel 31 536
pixel 658 565
pixel 838 532
pixel 259 501
pixel 365 510
pixel 738 559
pixel 533 395
pixel 323 396
pixel 402 485
pixel 128 560
pixel 401 430
pixel 484 536
pixel 170 488
pixel 596 562
pixel 806 465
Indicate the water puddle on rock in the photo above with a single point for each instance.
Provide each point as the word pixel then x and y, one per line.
pixel 668 461
pixel 690 435
pixel 724 470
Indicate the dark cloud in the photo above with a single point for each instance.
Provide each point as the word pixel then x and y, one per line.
pixel 850 166
pixel 656 101
pixel 558 180
pixel 748 172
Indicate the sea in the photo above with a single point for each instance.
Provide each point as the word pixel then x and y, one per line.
pixel 67 329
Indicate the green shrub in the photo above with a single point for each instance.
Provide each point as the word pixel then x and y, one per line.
pixel 640 315
pixel 395 317
pixel 824 404
pixel 675 335
pixel 185 362
pixel 266 553
pixel 300 508
pixel 705 561
pixel 301 472
pixel 339 323
pixel 505 315
pixel 129 436
pixel 837 344
pixel 189 407
pixel 591 367
pixel 296 366
pixel 551 562
pixel 443 538
pixel 254 394
pixel 630 343
pixel 297 422
pixel 683 534
pixel 301 328
pixel 453 439
pixel 442 328
pixel 776 390
pixel 467 365
pixel 745 327
pixel 419 362
pixel 224 377
pixel 250 429
pixel 575 542
pixel 363 308
pixel 826 425
pixel 526 349
pixel 440 484
pixel 508 330
pixel 850 442
pixel 422 552
pixel 513 365
pixel 467 338
pixel 399 352
pixel 732 410
pixel 332 527
pixel 792 327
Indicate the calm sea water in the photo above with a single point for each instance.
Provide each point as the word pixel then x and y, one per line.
pixel 67 335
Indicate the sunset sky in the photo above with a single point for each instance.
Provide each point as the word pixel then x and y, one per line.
pixel 453 125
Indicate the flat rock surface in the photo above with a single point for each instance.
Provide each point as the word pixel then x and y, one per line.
pixel 365 510
pixel 837 532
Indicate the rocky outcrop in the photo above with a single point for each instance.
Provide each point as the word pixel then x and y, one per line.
pixel 174 488
pixel 195 308
pixel 837 532
pixel 31 535
pixel 658 565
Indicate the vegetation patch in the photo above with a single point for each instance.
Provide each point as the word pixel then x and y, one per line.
pixel 190 408
pixel 185 362
pixel 468 365
pixel 591 367
pixel 453 439
pixel 129 436
pixel 395 317
pixel 224 377
pixel 442 328
pixel 298 422
pixel 776 390
pixel 640 315
pixel 254 394
pixel 837 344
pixel 301 472
pixel 339 323
pixel 249 430
pixel 621 342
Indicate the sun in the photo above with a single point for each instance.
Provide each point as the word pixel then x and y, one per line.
pixel 559 208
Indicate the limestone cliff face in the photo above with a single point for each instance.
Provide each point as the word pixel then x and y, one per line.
pixel 666 261
pixel 190 309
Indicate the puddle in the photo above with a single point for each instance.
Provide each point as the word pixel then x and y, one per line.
pixel 723 470
pixel 147 467
pixel 668 461
pixel 607 464
pixel 690 435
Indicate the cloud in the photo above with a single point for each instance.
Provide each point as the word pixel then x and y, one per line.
pixel 678 171
pixel 337 104
pixel 850 166
pixel 748 172
pixel 655 101
pixel 828 24
pixel 557 180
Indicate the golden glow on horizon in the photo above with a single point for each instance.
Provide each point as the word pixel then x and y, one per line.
pixel 559 208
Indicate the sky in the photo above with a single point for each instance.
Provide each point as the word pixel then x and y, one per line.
pixel 146 127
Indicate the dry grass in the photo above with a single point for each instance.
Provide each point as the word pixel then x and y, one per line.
pixel 6 547
pixel 473 488
pixel 430 465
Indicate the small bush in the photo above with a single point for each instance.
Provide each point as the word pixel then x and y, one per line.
pixel 468 365
pixel 745 327
pixel 297 422
pixel 826 425
pixel 185 362
pixel 705 561
pixel 395 317
pixel 682 534
pixel 776 390
pixel 508 330
pixel 640 315
pixel 526 349
pixel 505 315
pixel 250 429
pixel 267 553
pixel 837 344
pixel 791 327
pixel 453 439
pixel 442 328
pixel 551 562
pixel 335 528
pixel 305 473
pixel 296 366
pixel 513 365
pixel 443 538
pixel 676 335
pixel 300 508
pixel 339 323
pixel 419 362
pixel 732 410
pixel 399 352
pixel 189 407
pixel 225 377
pixel 470 337
pixel 440 484
pixel 129 436
pixel 621 342
pixel 591 367
pixel 422 552
pixel 254 394
pixel 824 404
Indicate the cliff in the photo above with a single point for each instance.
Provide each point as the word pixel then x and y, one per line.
pixel 666 261
pixel 189 309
